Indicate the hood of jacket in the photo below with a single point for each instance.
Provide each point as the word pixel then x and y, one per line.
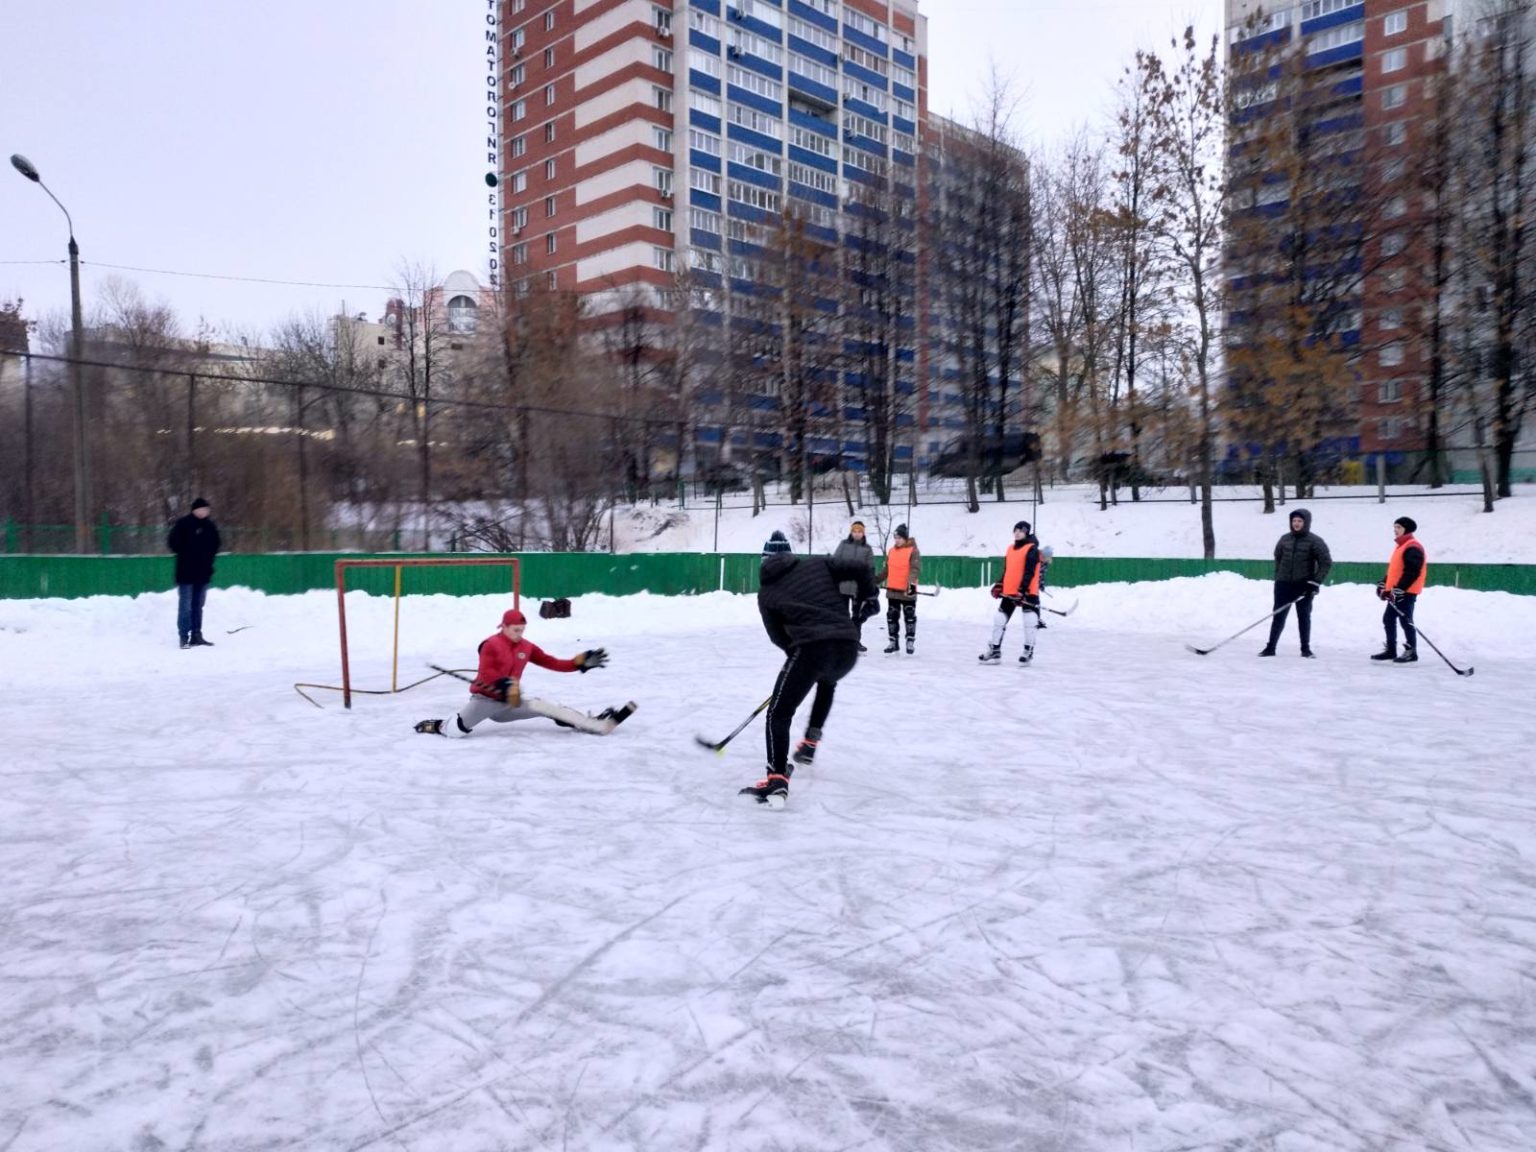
pixel 1306 518
pixel 776 566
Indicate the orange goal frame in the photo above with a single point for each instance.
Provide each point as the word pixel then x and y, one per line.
pixel 399 566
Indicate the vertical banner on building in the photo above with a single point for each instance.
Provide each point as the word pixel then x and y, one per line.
pixel 493 136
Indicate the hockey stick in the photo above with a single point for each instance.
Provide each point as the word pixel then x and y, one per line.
pixel 1250 628
pixel 719 745
pixel 1459 671
pixel 1063 611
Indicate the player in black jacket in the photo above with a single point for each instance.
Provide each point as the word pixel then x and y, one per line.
pixel 806 615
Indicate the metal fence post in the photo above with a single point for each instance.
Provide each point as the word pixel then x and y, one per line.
pixel 1381 477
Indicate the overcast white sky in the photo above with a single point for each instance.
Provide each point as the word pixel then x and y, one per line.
pixel 298 140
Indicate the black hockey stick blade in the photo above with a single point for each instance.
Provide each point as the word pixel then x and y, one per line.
pixel 1198 651
pixel 1064 611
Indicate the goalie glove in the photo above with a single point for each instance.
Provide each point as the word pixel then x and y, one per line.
pixel 508 691
pixel 868 609
pixel 591 658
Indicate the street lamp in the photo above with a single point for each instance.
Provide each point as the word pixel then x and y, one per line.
pixel 82 455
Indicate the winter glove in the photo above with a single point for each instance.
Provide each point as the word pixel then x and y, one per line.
pixel 1313 588
pixel 868 609
pixel 1381 590
pixel 508 691
pixel 591 658
pixel 1029 601
pixel 911 589
pixel 1395 594
pixel 997 590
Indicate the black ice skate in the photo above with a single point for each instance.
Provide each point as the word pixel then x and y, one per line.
pixel 893 646
pixel 993 654
pixel 805 751
pixel 1387 653
pixel 1027 656
pixel 1410 655
pixel 772 790
pixel 910 643
pixel 430 727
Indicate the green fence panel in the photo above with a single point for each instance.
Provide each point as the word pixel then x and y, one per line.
pixel 546 575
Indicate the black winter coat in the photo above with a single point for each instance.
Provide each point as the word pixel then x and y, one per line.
pixel 799 600
pixel 195 540
pixel 1302 556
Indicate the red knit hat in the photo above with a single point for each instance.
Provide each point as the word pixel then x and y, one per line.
pixel 513 616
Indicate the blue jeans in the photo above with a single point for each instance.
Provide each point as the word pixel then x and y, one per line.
pixel 1389 619
pixel 189 608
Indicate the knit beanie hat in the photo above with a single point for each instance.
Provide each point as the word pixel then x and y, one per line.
pixel 1022 526
pixel 776 542
pixel 200 503
pixel 901 531
pixel 1410 525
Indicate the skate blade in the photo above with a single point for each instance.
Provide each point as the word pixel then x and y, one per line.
pixel 774 801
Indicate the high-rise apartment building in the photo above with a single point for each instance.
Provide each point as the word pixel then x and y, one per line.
pixel 642 138
pixel 1368 96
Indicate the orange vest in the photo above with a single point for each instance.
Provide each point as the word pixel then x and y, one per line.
pixel 1395 565
pixel 898 562
pixel 1013 572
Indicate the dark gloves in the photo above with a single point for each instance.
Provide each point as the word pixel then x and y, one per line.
pixel 508 691
pixel 1030 601
pixel 911 589
pixel 1313 587
pixel 997 590
pixel 869 609
pixel 591 658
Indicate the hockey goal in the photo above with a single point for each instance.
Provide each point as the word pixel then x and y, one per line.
pixel 459 582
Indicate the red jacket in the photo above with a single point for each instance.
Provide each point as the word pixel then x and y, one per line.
pixel 500 657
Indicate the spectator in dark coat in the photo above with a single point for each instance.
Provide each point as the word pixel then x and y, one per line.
pixel 195 540
pixel 804 614
pixel 1302 562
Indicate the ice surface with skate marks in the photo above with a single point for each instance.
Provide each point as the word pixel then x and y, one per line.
pixel 1124 898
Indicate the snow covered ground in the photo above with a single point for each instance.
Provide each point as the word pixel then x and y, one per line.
pixel 1451 523
pixel 1126 898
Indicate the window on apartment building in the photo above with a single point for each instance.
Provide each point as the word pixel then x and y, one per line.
pixel 706 62
pixel 662 19
pixel 703 180
pixel 661 218
pixel 904 108
pixel 1395 207
pixel 519 110
pixel 812 141
pixel 752 195
pixel 549 207
pixel 515 77
pixel 1394 23
pixel 549 95
pixel 744 41
pixel 1391 318
pixel 865 24
pixel 903 76
pixel 704 220
pixel 518 38
pixel 662 258
pixel 1392 171
pixel 865 59
pixel 749 157
pixel 1395 280
pixel 551 281
pixel 549 132
pixel 549 59
pixel 756 121
pixel 813 34
pixel 519 218
pixel 1395 96
pixel 705 23
pixel 754 82
pixel 549 20
pixel 705 142
pixel 517 6
pixel 661 138
pixel 1393 243
pixel 519 253
pixel 825 7
pixel 549 168
pixel 705 103
pixel 662 179
pixel 812 70
pixel 1395 60
pixel 1390 356
pixel 519 146
pixel 549 244
pixel 520 181
pixel 1336 37
pixel 1312 9
pixel 1395 133
pixel 1390 428
pixel 663 98
pixel 1389 391
pixel 759 10
pixel 661 58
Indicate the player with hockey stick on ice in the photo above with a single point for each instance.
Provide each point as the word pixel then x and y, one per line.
pixel 1018 590
pixel 496 694
pixel 805 615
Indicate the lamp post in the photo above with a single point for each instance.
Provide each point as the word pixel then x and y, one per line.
pixel 77 383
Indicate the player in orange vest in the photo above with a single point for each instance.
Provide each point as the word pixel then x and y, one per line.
pixel 1018 589
pixel 902 565
pixel 1406 571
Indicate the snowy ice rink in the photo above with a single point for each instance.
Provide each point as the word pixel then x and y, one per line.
pixel 1127 898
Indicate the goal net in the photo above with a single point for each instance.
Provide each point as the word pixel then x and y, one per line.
pixel 457 575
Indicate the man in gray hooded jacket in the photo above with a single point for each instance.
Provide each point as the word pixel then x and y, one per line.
pixel 1302 562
